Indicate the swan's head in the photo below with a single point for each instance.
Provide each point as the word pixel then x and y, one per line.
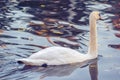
pixel 95 15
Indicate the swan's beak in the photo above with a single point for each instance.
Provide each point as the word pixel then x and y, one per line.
pixel 100 17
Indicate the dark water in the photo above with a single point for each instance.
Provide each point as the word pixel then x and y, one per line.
pixel 27 26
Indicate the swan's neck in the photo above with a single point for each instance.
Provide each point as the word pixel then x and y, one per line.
pixel 93 38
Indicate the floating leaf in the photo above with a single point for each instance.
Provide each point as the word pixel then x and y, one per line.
pixel 41 32
pixel 1 31
pixel 60 26
pixel 36 24
pixel 26 38
pixel 117 35
pixel 56 31
pixel 116 46
pixel 21 29
pixel 3 46
pixel 42 5
pixel 116 22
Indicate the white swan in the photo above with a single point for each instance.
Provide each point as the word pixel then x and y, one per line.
pixel 61 55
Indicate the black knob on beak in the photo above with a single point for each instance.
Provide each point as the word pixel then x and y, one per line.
pixel 100 17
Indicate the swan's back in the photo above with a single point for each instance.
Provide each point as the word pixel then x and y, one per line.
pixel 54 52
pixel 54 56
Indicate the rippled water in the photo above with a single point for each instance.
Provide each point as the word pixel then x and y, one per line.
pixel 27 26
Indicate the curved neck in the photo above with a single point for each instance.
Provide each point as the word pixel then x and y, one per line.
pixel 93 38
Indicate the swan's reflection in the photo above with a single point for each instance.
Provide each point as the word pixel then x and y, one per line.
pixel 93 69
pixel 66 70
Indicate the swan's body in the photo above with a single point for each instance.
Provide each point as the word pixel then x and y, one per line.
pixel 55 56
pixel 62 55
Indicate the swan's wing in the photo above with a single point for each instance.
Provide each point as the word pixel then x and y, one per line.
pixel 54 52
pixel 57 55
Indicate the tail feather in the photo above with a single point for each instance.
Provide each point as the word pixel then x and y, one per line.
pixel 24 61
pixel 32 62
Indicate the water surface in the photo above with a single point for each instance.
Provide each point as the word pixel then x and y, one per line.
pixel 27 26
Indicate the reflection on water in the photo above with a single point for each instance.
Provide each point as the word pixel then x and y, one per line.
pixel 93 68
pixel 66 70
pixel 27 26
pixel 51 71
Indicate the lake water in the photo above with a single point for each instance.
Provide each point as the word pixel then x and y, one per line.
pixel 27 26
